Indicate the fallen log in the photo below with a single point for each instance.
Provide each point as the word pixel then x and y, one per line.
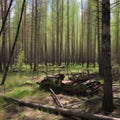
pixel 62 111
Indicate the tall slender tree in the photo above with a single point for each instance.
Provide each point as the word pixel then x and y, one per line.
pixel 53 34
pixel 25 32
pixel 32 33
pixel 106 57
pixel 61 31
pixel 35 37
pixel 73 34
pixel 98 37
pixel 45 32
pixel 88 32
pixel 57 30
pixel 68 38
pixel 82 32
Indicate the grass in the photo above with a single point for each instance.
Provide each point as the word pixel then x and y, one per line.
pixel 20 92
pixel 22 86
pixel 83 107
pixel 1 103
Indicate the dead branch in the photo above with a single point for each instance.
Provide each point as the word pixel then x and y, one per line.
pixel 55 98
pixel 59 104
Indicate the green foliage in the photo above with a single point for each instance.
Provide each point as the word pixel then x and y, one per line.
pixel 101 81
pixel 116 71
pixel 83 107
pixel 1 102
pixel 20 60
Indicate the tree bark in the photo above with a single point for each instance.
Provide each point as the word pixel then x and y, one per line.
pixel 25 33
pixel 32 35
pixel 45 33
pixel 68 41
pixel 117 34
pixel 61 32
pixel 53 35
pixel 88 33
pixel 9 36
pixel 35 40
pixel 94 52
pixel 82 32
pixel 107 104
pixel 98 38
pixel 57 32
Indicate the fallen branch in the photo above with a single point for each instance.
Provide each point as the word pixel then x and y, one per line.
pixel 62 111
pixel 55 98
pixel 59 104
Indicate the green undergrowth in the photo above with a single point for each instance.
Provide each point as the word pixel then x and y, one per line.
pixel 1 103
pixel 101 81
pixel 20 92
pixel 22 84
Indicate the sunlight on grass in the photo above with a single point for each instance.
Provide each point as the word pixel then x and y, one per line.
pixel 41 94
pixel 20 92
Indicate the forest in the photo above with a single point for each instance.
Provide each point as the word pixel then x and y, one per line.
pixel 59 59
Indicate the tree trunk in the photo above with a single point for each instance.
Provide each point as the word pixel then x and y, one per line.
pixel 106 57
pixel 61 33
pixel 3 56
pixel 45 33
pixel 94 56
pixel 98 37
pixel 82 32
pixel 9 37
pixel 1 52
pixel 53 35
pixel 25 34
pixel 32 35
pixel 35 40
pixel 68 43
pixel 117 34
pixel 57 32
pixel 73 37
pixel 88 33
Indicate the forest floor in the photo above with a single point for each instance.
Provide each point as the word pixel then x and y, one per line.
pixel 32 92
